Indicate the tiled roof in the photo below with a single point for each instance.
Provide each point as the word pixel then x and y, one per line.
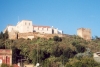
pixel 5 51
pixel 41 26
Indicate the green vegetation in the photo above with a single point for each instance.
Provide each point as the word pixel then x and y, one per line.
pixel 4 35
pixel 83 62
pixel 5 65
pixel 68 51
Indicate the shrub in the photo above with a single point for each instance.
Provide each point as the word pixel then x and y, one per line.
pixel 56 38
pixel 80 48
pixel 4 65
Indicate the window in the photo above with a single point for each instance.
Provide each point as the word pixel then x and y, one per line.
pixel 25 23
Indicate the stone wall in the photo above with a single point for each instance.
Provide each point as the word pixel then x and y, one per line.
pixel 32 35
pixel 26 35
pixel 12 35
pixel 35 35
pixel 84 33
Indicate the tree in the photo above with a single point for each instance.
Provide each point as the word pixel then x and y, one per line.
pixel 80 48
pixel 15 54
pixel 34 56
pixel 83 62
pixel 1 35
pixel 57 51
pixel 56 38
pixel 6 36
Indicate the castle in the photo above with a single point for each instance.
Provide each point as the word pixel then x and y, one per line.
pixel 84 33
pixel 25 29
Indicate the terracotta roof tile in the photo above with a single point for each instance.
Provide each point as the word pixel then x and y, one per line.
pixel 41 26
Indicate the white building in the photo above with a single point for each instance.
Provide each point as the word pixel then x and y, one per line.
pixel 26 26
pixel 10 28
pixel 42 29
pixel 46 30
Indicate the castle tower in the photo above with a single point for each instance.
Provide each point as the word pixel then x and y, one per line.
pixel 84 33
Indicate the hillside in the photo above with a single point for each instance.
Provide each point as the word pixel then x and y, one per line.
pixel 53 52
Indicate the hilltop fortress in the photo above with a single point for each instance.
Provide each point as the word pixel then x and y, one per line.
pixel 84 33
pixel 25 29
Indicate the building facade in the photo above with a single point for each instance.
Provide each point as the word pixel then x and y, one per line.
pixel 6 56
pixel 43 29
pixel 47 30
pixel 26 26
pixel 84 33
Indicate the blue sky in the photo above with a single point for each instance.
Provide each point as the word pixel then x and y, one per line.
pixel 67 15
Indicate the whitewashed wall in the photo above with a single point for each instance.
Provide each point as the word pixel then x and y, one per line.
pixel 24 26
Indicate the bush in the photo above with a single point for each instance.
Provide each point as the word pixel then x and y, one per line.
pixel 56 38
pixel 83 62
pixel 4 65
pixel 80 48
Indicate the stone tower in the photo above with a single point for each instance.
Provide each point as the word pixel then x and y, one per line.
pixel 84 33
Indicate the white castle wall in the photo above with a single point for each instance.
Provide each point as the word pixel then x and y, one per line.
pixel 24 26
pixel 45 30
